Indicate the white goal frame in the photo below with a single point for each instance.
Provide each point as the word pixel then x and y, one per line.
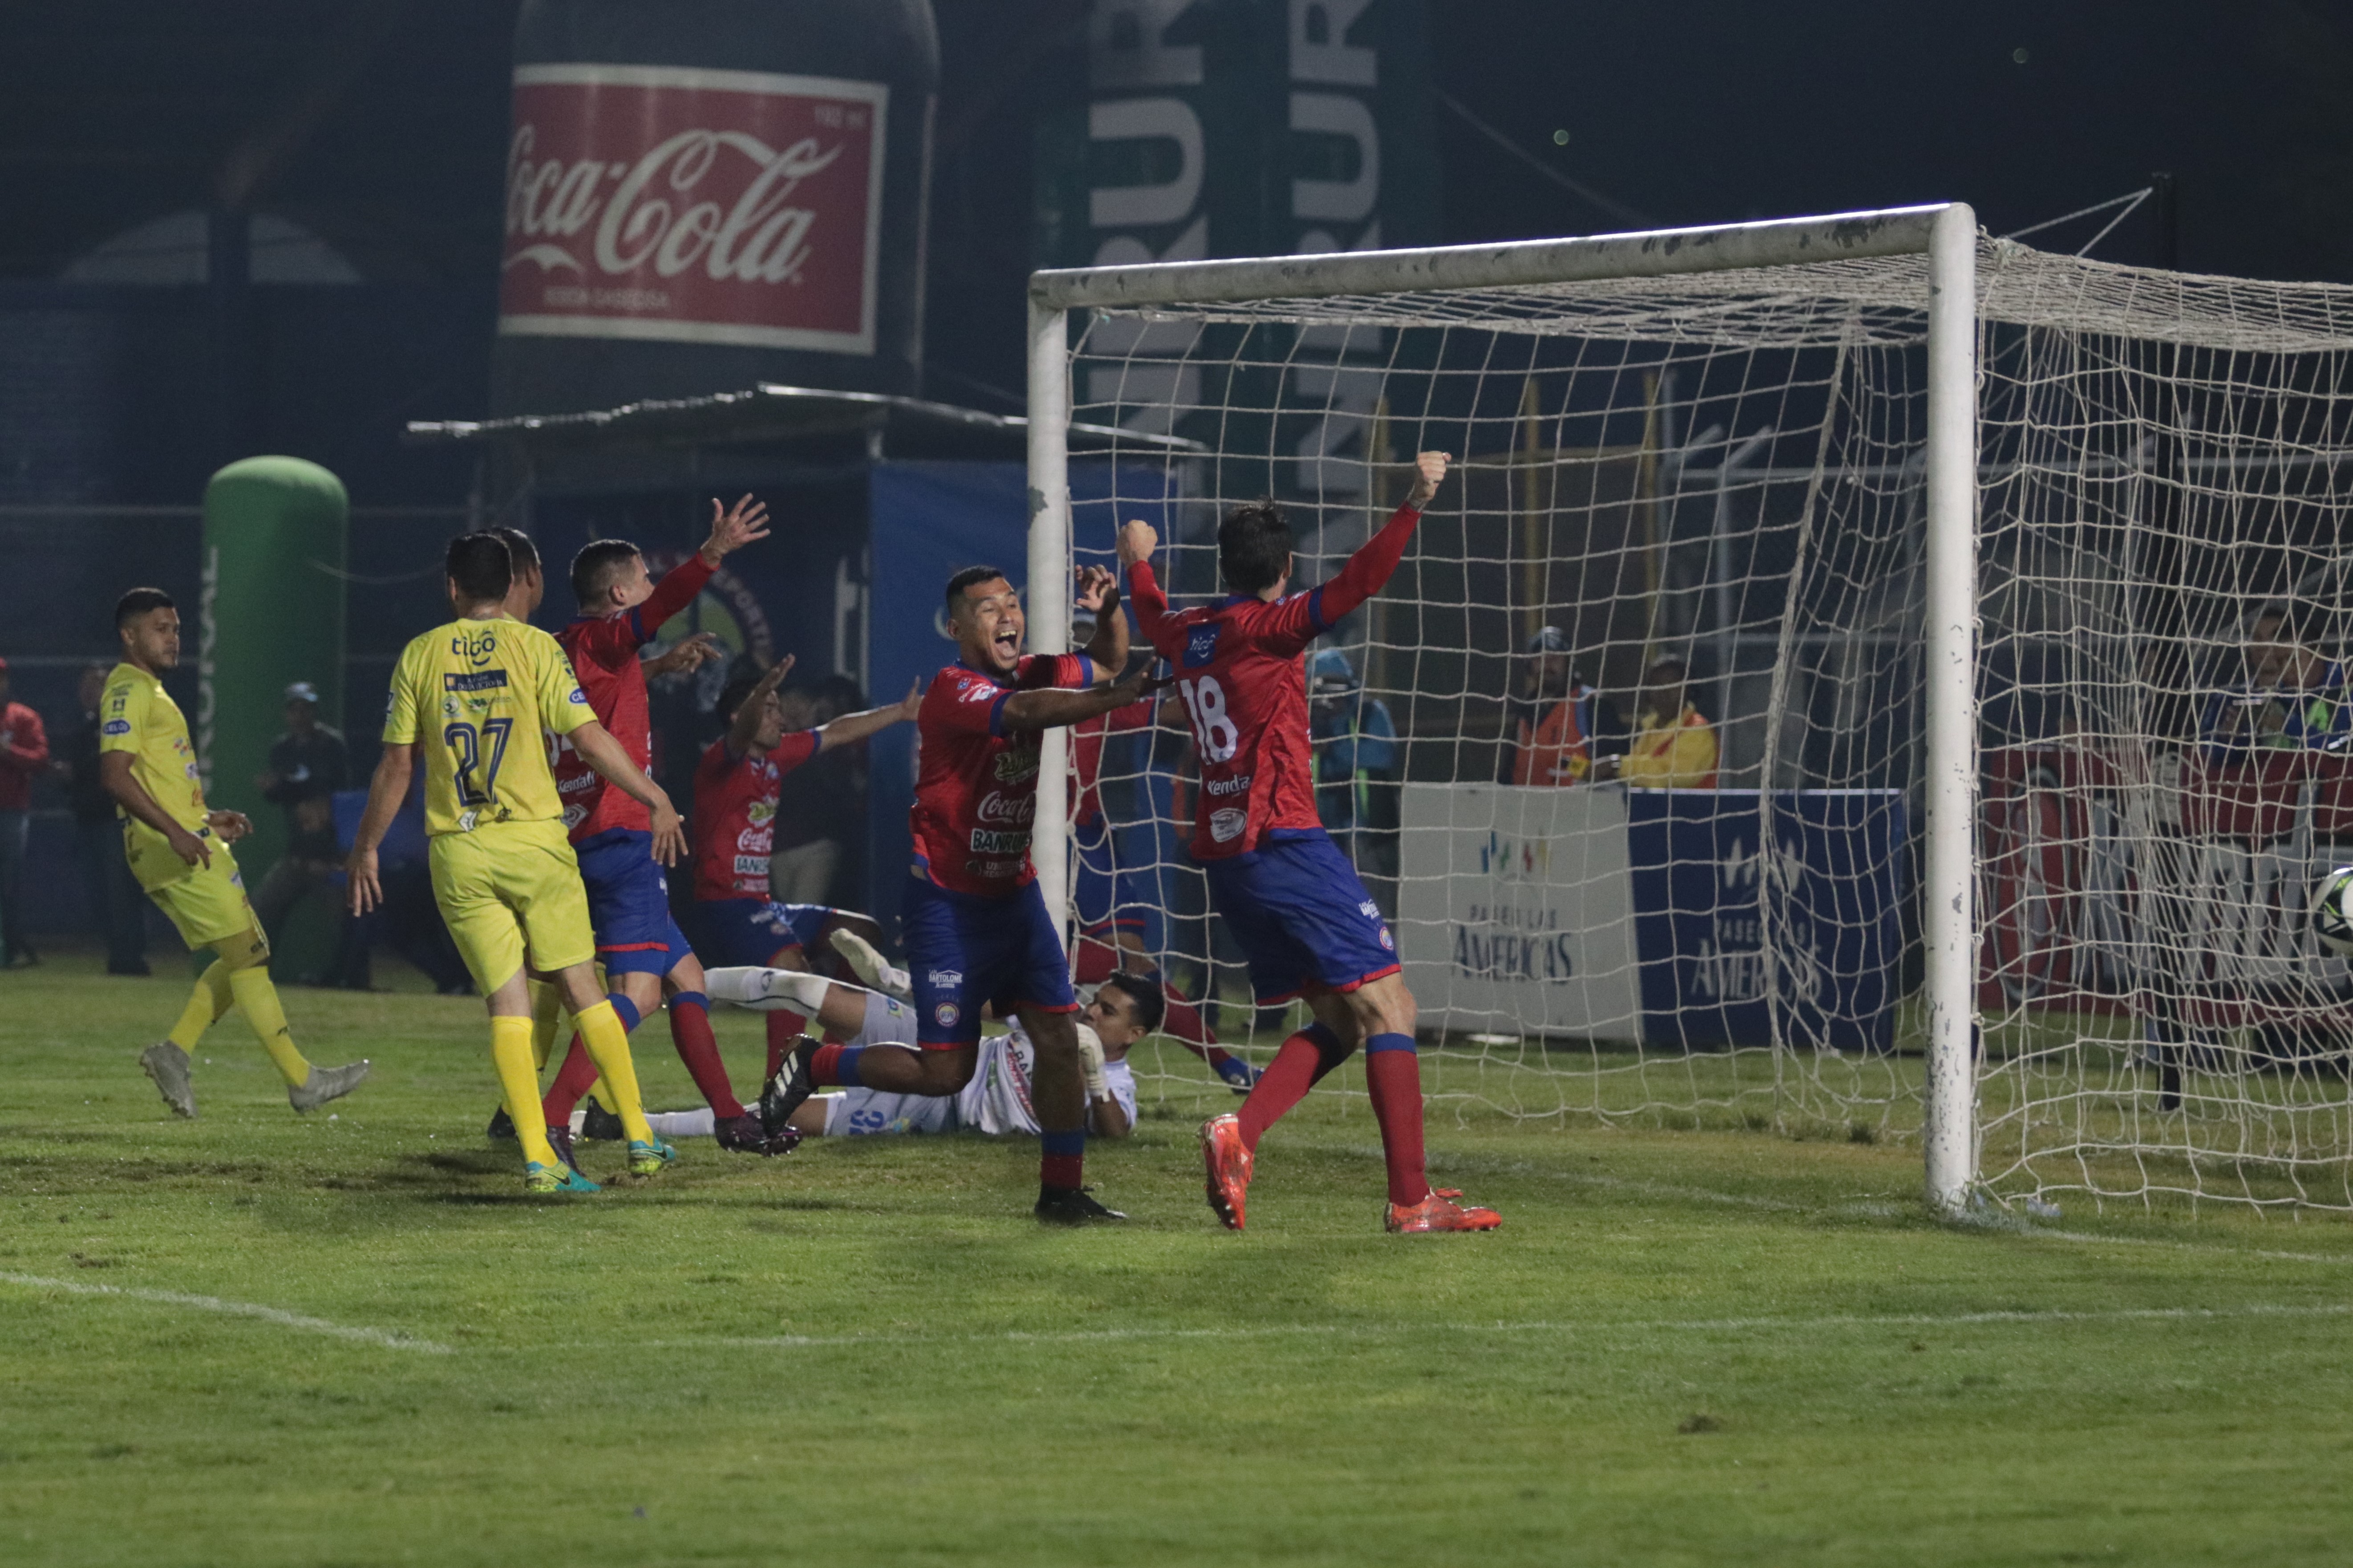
pixel 1946 233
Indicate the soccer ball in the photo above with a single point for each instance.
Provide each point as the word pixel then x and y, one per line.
pixel 2332 920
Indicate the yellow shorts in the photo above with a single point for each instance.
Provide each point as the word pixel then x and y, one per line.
pixel 506 886
pixel 207 903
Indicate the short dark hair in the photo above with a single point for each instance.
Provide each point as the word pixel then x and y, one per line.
pixel 137 603
pixel 1151 1002
pixel 1254 547
pixel 481 565
pixel 600 561
pixel 747 674
pixel 521 551
pixel 965 579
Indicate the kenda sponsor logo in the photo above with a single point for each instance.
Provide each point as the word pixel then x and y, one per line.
pixel 1222 787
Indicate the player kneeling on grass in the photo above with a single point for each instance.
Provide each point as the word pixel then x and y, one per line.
pixel 998 1099
pixel 1294 903
pixel 479 699
pixel 179 851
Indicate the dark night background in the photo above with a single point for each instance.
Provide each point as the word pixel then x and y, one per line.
pixel 380 125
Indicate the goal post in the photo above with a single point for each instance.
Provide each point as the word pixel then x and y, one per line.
pixel 1945 233
pixel 1963 635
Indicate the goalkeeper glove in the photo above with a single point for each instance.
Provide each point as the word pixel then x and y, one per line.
pixel 1239 1073
pixel 1090 1063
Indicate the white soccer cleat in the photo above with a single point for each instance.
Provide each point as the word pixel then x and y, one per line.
pixel 324 1084
pixel 877 973
pixel 766 990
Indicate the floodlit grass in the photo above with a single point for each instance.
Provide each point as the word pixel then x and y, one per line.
pixel 257 1339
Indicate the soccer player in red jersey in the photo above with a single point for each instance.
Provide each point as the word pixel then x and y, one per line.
pixel 622 609
pixel 735 790
pixel 976 930
pixel 1292 900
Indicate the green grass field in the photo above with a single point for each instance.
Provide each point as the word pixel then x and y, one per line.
pixel 257 1339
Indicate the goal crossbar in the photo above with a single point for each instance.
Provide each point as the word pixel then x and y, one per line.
pixel 1946 233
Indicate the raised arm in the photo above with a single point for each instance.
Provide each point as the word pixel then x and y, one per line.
pixel 745 724
pixel 1098 594
pixel 387 789
pixel 1368 571
pixel 1137 541
pixel 854 727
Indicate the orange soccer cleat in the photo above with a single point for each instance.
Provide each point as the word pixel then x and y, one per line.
pixel 1228 1165
pixel 1435 1213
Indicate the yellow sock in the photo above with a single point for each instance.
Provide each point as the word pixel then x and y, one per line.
pixel 258 998
pixel 608 1046
pixel 547 1013
pixel 519 1087
pixel 206 1002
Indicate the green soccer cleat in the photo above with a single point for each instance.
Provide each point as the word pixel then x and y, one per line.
pixel 539 1178
pixel 647 1159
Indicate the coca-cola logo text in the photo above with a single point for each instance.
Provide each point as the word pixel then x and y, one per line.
pixel 1002 810
pixel 707 206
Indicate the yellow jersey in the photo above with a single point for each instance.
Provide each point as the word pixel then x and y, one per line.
pixel 138 716
pixel 481 697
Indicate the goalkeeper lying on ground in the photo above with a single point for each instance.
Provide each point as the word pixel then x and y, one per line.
pixel 1124 1009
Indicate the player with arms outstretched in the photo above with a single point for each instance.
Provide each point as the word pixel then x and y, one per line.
pixel 477 699
pixel 179 851
pixel 622 608
pixel 1293 903
pixel 976 930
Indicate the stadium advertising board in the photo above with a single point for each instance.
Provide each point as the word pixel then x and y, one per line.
pixel 709 206
pixel 1673 917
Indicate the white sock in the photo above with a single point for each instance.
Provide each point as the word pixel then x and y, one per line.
pixel 682 1123
pixel 767 990
pixel 883 977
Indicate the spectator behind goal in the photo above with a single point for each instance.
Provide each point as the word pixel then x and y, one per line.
pixel 2286 696
pixel 1674 746
pixel 308 765
pixel 1555 722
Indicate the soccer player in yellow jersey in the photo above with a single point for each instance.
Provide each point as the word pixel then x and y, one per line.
pixel 179 850
pixel 478 699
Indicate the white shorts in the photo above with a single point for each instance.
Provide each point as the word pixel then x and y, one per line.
pixel 858 1111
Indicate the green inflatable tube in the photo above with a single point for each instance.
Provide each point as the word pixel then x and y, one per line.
pixel 276 537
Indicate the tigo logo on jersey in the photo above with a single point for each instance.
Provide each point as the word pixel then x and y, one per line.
pixel 1202 647
pixel 1227 825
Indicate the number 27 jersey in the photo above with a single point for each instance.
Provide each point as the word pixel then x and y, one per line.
pixel 481 699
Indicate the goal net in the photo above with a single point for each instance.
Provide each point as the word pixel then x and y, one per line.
pixel 1640 753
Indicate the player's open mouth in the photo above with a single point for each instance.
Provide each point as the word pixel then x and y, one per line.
pixel 1007 642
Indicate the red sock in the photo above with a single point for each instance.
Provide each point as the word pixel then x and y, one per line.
pixel 1393 1073
pixel 1285 1082
pixel 783 1029
pixel 1061 1158
pixel 1092 962
pixel 690 1031
pixel 825 1066
pixel 1185 1021
pixel 575 1078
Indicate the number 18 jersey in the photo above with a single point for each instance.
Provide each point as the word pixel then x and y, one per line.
pixel 481 699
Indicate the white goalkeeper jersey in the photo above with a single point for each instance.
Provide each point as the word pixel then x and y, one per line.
pixel 997 1100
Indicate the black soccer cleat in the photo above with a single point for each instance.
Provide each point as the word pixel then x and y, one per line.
pixel 745 1135
pixel 1072 1205
pixel 502 1127
pixel 601 1125
pixel 789 1089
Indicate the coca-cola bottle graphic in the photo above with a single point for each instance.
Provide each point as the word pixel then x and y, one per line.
pixel 703 194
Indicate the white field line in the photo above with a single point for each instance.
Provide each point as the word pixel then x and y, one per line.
pixel 1597 1329
pixel 284 1319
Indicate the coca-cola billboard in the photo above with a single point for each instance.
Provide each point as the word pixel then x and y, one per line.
pixel 709 206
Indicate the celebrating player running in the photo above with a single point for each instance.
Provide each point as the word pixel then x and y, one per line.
pixel 1292 900
pixel 978 932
